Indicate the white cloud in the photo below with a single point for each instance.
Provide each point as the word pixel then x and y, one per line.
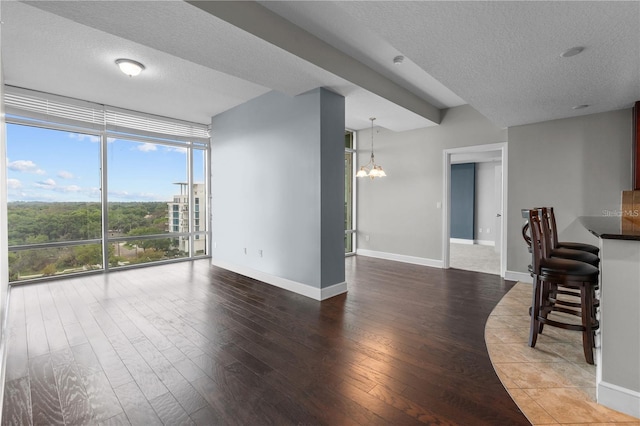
pixel 82 137
pixel 146 147
pixel 14 184
pixel 72 188
pixel 46 184
pixel 137 196
pixel 63 174
pixel 26 166
pixel 176 149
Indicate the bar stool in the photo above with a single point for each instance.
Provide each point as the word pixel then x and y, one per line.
pixel 548 272
pixel 583 252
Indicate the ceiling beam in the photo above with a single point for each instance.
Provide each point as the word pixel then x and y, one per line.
pixel 271 27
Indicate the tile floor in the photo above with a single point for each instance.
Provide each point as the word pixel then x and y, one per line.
pixel 551 383
pixel 474 257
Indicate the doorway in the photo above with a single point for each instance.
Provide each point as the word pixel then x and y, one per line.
pixel 484 236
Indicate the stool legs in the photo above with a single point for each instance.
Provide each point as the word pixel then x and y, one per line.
pixel 587 323
pixel 536 301
pixel 542 304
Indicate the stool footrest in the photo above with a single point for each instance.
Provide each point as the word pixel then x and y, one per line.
pixel 575 327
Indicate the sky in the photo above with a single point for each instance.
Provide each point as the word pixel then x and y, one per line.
pixel 53 165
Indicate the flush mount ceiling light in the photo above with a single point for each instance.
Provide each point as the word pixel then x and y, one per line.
pixel 130 67
pixel 371 169
pixel 572 52
pixel 398 59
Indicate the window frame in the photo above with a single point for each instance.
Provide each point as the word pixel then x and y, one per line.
pixel 352 174
pixel 43 120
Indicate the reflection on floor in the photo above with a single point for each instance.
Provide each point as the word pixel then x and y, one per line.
pixel 474 257
pixel 551 383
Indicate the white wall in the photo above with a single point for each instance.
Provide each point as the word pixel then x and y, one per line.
pixel 577 165
pixel 399 213
pixel 277 166
pixel 485 202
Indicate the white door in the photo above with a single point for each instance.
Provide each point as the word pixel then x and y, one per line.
pixel 498 208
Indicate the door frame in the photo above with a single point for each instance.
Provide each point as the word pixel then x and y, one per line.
pixel 446 196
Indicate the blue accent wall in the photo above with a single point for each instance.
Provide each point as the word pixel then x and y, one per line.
pixel 463 195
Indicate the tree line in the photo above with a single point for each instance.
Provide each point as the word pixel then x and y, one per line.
pixel 41 222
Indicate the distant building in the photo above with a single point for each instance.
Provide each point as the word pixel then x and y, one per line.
pixel 179 216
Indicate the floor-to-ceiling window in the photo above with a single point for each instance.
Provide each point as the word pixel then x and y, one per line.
pixel 93 188
pixel 349 192
pixel 54 206
pixel 144 178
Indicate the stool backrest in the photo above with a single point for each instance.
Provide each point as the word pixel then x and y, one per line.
pixel 545 219
pixel 539 241
pixel 553 229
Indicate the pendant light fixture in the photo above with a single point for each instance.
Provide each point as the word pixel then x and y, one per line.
pixel 371 169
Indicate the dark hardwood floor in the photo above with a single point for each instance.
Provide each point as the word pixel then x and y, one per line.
pixel 190 344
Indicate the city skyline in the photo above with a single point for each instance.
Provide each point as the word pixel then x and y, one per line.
pixel 61 166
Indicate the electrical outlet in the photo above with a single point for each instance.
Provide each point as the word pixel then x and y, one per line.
pixel 480 230
pixel 488 230
pixel 366 238
pixel 245 250
pixel 260 253
pixel 215 245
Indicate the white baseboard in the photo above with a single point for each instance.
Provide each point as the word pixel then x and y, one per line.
pixel 485 243
pixel 286 284
pixel 460 241
pixel 401 258
pixel 333 290
pixel 517 276
pixel 618 398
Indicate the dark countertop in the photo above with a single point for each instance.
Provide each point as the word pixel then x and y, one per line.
pixel 608 227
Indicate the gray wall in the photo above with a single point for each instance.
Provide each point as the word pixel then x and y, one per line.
pixel 463 201
pixel 277 185
pixel 577 165
pixel 399 212
pixel 486 203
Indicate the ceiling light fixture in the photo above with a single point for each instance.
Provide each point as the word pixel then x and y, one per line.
pixel 398 59
pixel 130 67
pixel 371 169
pixel 572 52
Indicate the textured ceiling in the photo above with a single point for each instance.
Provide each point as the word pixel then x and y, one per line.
pixel 328 22
pixel 48 53
pixel 197 65
pixel 503 58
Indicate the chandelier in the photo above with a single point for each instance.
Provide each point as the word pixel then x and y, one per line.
pixel 371 169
